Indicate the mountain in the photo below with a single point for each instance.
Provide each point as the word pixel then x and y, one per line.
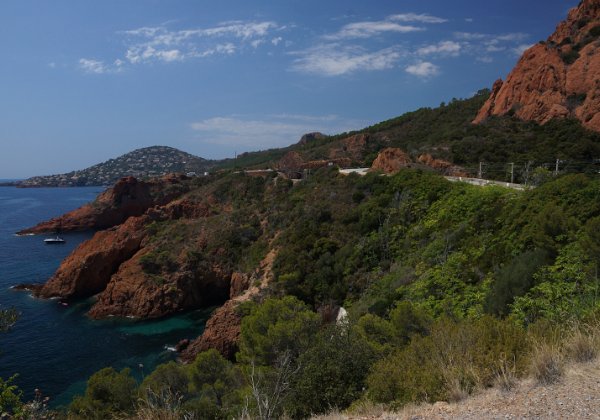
pixel 140 163
pixel 556 78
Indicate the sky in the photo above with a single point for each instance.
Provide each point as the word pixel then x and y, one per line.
pixel 83 81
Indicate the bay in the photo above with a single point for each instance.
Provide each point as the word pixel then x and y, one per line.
pixel 53 347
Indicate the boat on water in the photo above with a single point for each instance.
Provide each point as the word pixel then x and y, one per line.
pixel 54 241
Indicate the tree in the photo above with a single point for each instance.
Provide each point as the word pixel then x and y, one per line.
pixel 213 377
pixel 274 327
pixel 108 393
pixel 332 373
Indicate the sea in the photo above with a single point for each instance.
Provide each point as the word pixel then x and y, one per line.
pixel 55 348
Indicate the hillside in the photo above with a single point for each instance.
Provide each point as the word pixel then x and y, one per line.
pixel 556 78
pixel 141 163
pixel 446 132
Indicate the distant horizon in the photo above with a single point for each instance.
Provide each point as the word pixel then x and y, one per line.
pixel 86 81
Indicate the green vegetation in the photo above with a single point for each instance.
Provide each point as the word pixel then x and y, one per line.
pixel 447 132
pixel 449 287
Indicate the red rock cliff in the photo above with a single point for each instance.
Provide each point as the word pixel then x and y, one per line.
pixel 129 197
pixel 88 269
pixel 558 78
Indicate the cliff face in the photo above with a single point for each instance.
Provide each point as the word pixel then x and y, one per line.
pixel 88 269
pixel 391 160
pixel 129 197
pixel 558 78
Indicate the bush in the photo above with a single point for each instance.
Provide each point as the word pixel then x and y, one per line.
pixel 333 372
pixel 215 380
pixel 108 393
pixel 10 397
pixel 276 326
pixel 514 279
pixel 450 362
pixel 167 379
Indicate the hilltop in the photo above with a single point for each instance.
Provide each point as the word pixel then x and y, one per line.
pixel 141 163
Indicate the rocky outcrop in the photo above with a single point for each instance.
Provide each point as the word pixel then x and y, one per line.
pixel 129 197
pixel 134 293
pixel 311 137
pixel 89 268
pixel 557 78
pixel 442 166
pixel 391 160
pixel 352 148
pixel 222 332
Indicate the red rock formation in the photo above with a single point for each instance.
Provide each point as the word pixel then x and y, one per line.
pixel 240 282
pixel 558 78
pixel 88 269
pixel 129 197
pixel 292 161
pixel 442 166
pixel 391 160
pixel 222 332
pixel 352 148
pixel 133 293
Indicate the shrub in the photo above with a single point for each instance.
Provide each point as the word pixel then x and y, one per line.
pixel 169 379
pixel 10 397
pixel 450 362
pixel 276 326
pixel 333 372
pixel 214 379
pixel 569 57
pixel 514 279
pixel 108 393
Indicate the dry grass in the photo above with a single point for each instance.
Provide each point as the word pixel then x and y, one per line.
pixel 506 377
pixel 582 344
pixel 161 406
pixel 546 363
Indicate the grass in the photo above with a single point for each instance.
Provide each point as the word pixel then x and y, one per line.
pixel 547 363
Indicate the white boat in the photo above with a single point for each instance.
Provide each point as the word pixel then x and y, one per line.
pixel 53 241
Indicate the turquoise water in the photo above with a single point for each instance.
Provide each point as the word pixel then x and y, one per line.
pixel 56 348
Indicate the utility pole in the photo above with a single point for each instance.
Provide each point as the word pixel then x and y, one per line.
pixel 480 172
pixel 512 173
pixel 556 168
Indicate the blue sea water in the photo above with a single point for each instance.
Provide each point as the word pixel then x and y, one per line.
pixel 53 347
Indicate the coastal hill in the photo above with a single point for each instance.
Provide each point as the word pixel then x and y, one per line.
pixel 556 78
pixel 141 163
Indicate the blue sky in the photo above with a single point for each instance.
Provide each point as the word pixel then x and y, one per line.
pixel 82 81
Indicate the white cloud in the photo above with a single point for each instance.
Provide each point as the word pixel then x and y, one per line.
pixel 369 29
pixel 483 45
pixel 520 49
pixel 92 66
pixel 470 36
pixel 442 48
pixel 335 59
pixel 423 69
pixel 517 36
pixel 276 130
pixel 275 41
pixel 148 44
pixel 413 17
